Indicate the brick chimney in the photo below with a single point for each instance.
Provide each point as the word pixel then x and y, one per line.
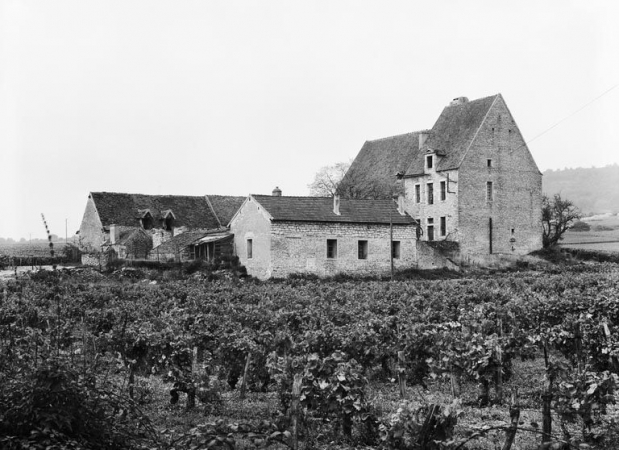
pixel 336 205
pixel 277 192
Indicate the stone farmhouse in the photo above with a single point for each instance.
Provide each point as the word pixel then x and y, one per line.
pixel 469 191
pixel 470 180
pixel 164 227
pixel 275 236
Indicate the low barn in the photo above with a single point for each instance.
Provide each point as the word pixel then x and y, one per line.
pixel 138 226
pixel 275 236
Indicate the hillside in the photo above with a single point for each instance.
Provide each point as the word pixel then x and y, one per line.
pixel 593 190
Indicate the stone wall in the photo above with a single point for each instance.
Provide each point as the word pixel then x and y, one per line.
pixel 299 247
pixel 252 222
pixel 447 208
pixel 515 208
pixel 91 235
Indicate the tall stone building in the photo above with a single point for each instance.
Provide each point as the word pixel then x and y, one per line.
pixel 470 179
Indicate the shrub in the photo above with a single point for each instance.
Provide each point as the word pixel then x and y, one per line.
pixel 580 226
pixel 52 406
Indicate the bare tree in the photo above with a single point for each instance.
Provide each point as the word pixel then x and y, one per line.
pixel 337 179
pixel 557 216
pixel 327 180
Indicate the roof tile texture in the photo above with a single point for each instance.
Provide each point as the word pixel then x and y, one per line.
pixel 320 209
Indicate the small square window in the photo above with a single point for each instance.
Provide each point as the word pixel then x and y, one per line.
pixel 362 248
pixel 250 248
pixel 331 248
pixel 429 161
pixel 395 249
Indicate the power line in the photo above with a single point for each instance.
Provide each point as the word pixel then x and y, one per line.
pixel 572 114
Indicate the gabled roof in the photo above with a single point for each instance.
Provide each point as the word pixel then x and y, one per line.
pixel 126 209
pixel 320 209
pixel 378 161
pixel 453 133
pixel 225 206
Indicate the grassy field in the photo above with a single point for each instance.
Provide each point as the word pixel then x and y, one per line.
pixel 603 236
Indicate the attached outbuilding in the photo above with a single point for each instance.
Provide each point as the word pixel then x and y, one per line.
pixel 275 236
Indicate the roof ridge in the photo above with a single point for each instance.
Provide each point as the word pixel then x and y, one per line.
pixel 395 135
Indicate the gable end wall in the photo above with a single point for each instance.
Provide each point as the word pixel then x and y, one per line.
pixel 517 185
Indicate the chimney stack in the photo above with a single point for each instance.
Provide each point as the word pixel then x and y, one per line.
pixel 401 205
pixel 459 101
pixel 336 205
pixel 114 231
pixel 423 135
pixel 277 192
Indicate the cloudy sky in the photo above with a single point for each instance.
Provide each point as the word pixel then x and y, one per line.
pixel 227 97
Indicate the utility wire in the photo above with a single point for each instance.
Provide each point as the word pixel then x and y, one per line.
pixel 572 114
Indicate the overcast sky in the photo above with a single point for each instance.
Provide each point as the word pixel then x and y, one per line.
pixel 225 97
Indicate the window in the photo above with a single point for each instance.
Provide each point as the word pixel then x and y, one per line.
pixel 362 248
pixel 250 248
pixel 443 226
pixel 430 232
pixel 395 249
pixel 331 248
pixel 489 162
pixel 430 193
pixel 429 161
pixel 443 191
pixel 417 193
pixel 513 231
pixel 168 223
pixel 430 228
pixel 489 196
pixel 147 222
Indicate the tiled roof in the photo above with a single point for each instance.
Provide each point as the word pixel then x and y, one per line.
pixel 320 209
pixel 225 206
pixel 453 133
pixel 127 209
pixel 378 161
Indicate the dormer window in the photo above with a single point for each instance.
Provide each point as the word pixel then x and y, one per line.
pixel 429 161
pixel 168 219
pixel 147 221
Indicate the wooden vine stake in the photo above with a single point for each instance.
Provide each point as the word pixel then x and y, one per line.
pixel 402 373
pixel 244 385
pixel 294 410
pixel 514 415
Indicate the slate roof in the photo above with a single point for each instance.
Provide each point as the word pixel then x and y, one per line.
pixel 453 133
pixel 225 206
pixel 320 209
pixel 126 209
pixel 378 161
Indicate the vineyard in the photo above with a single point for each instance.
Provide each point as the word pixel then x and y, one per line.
pixel 515 359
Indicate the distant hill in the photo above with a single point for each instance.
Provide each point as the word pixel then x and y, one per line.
pixel 594 190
